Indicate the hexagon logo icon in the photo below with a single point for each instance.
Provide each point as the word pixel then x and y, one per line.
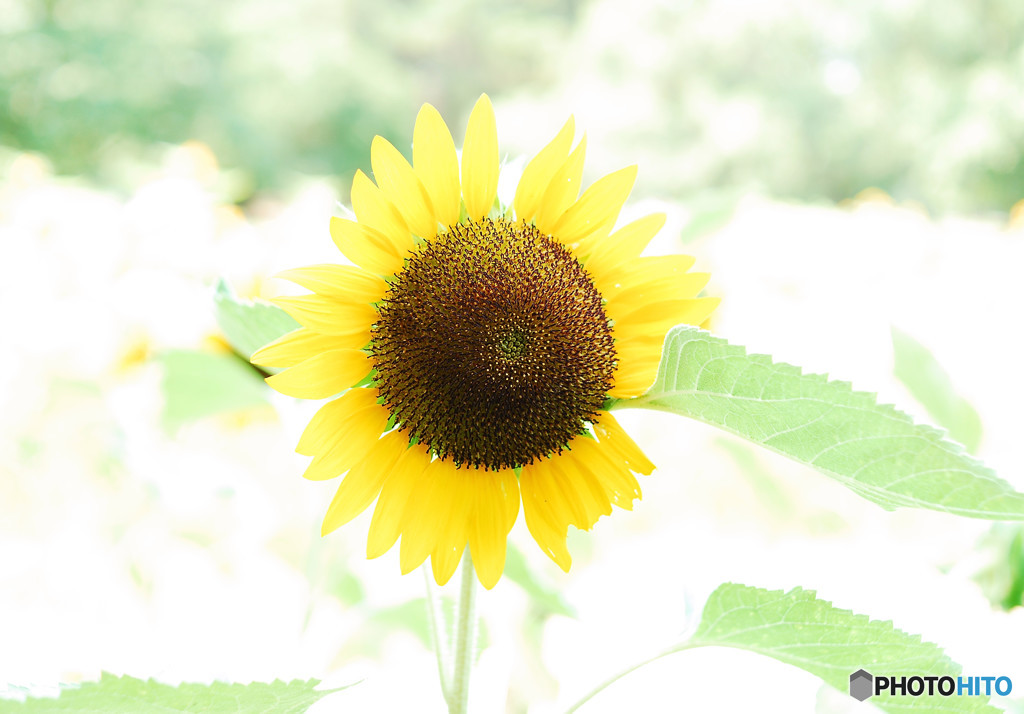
pixel 861 685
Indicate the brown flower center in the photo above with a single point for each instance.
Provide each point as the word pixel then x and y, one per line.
pixel 492 345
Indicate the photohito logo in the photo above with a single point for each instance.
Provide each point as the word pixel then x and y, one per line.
pixel 864 685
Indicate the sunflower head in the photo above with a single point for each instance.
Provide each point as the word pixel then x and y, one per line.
pixel 492 335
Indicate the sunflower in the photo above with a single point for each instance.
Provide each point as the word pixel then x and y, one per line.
pixel 475 345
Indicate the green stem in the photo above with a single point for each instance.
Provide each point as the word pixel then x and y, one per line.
pixel 439 631
pixel 608 682
pixel 465 639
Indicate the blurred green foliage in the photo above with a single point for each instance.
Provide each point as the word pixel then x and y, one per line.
pixel 801 100
pixel 921 99
pixel 919 371
pixel 273 88
pixel 1002 577
pixel 544 598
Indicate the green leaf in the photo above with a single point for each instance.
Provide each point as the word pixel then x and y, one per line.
pixel 873 449
pixel 127 695
pixel 1002 578
pixel 797 628
pixel 930 385
pixel 198 384
pixel 249 324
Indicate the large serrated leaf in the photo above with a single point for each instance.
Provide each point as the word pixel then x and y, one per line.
pixel 127 695
pixel 872 449
pixel 797 628
pixel 249 324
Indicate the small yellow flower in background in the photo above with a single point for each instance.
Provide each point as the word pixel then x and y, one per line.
pixel 491 337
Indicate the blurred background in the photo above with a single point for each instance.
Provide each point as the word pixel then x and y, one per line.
pixel 851 174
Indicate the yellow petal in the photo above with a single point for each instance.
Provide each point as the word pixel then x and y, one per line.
pixel 365 246
pixel 641 348
pixel 642 270
pixel 630 296
pixel 545 514
pixel 348 444
pixel 655 297
pixel 699 309
pixel 621 485
pixel 624 244
pixel 402 187
pixel 386 524
pixel 347 282
pixel 301 344
pixel 589 500
pixel 656 312
pixel 480 160
pixel 363 482
pixel 638 360
pixel 657 319
pixel 489 523
pixel 426 513
pixel 444 559
pixel 320 431
pixel 591 492
pixel 562 191
pixel 322 375
pixel 611 471
pixel 538 173
pixel 328 315
pixel 615 480
pixel 597 209
pixel 511 501
pixel 562 487
pixel 452 529
pixel 373 209
pixel 435 162
pixel 632 384
pixel 652 330
pixel 611 435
